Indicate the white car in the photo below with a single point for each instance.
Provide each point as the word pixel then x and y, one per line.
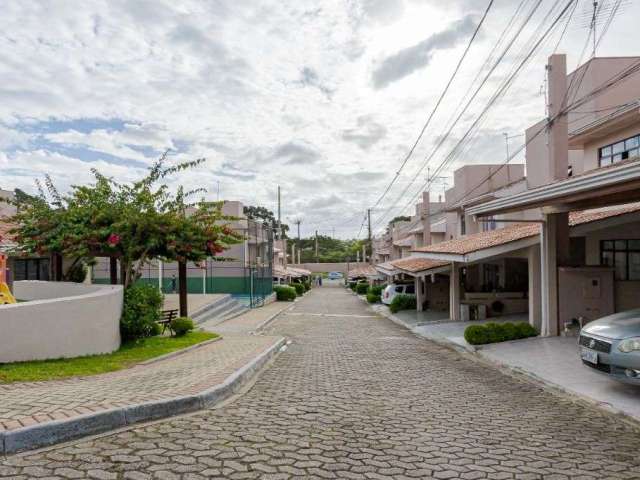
pixel 397 289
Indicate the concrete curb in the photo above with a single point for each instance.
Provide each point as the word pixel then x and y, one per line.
pixel 266 322
pixel 49 433
pixel 180 352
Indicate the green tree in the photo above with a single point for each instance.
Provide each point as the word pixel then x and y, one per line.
pixel 265 215
pixel 134 222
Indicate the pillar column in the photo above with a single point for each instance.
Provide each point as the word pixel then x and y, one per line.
pixel 554 244
pixel 535 298
pixel 419 295
pixel 454 292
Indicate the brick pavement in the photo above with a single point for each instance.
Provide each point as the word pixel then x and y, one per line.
pixel 357 397
pixel 24 404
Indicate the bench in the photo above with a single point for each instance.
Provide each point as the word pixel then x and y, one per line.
pixel 165 319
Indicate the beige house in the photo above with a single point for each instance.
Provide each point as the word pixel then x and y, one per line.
pixel 560 245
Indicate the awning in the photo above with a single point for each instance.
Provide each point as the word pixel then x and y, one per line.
pixel 362 270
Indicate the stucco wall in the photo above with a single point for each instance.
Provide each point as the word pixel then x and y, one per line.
pixel 327 267
pixel 60 320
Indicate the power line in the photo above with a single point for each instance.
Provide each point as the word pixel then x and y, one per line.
pixel 437 105
pixel 499 93
pixel 617 78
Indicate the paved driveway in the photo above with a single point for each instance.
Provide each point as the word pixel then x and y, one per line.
pixel 356 396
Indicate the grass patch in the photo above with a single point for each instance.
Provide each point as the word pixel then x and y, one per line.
pixel 129 354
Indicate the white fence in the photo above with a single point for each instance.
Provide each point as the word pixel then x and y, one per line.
pixel 60 319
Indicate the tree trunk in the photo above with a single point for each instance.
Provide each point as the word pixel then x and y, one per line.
pixel 182 288
pixel 113 270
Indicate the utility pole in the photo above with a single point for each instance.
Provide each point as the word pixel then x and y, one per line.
pixel 279 233
pixel 297 222
pixel 370 240
pixel 317 258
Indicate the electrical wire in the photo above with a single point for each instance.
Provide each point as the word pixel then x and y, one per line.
pixel 437 105
pixel 501 90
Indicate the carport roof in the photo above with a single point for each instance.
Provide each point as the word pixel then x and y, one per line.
pixel 605 186
pixel 514 235
pixel 417 264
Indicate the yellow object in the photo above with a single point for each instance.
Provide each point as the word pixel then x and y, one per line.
pixel 5 294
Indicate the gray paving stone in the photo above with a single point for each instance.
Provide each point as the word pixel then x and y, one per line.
pixel 358 397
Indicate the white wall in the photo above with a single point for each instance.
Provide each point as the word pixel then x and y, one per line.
pixel 60 320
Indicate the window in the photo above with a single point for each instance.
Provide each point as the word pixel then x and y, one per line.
pixel 629 148
pixel 623 256
pixel 31 269
pixel 489 224
pixel 463 224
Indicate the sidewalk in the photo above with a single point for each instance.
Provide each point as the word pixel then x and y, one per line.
pixel 40 413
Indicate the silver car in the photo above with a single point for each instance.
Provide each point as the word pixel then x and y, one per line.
pixel 611 345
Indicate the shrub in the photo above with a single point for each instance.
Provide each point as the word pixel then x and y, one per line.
pixel 307 286
pixel 352 286
pixel 141 310
pixel 376 289
pixel 525 330
pixel 402 302
pixel 498 332
pixel 373 298
pixel 284 293
pixel 362 288
pixel 76 273
pixel 182 325
pixel 299 288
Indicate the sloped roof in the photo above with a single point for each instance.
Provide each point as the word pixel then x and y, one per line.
pixel 417 264
pixel 6 240
pixel 387 268
pixel 480 241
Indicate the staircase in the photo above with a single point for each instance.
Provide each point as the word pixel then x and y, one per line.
pixel 219 311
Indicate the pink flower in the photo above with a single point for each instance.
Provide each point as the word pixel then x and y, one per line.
pixel 113 240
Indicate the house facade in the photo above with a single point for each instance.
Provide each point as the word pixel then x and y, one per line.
pixel 559 246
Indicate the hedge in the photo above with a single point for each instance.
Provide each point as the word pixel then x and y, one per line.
pixel 373 298
pixel 403 302
pixel 285 293
pixel 498 332
pixel 362 288
pixel 376 289
pixel 299 288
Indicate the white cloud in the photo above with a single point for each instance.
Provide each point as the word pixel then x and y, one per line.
pixel 269 92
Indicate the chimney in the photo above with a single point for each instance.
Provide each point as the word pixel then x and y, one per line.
pixel 426 221
pixel 559 129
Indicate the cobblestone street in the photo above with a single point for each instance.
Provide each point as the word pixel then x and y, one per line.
pixel 356 397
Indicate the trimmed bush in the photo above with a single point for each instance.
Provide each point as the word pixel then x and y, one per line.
pixel 362 288
pixel 498 332
pixel 141 310
pixel 307 286
pixel 182 325
pixel 352 286
pixel 285 293
pixel 373 298
pixel 403 302
pixel 376 289
pixel 299 288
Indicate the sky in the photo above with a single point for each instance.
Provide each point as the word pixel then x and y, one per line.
pixel 322 98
